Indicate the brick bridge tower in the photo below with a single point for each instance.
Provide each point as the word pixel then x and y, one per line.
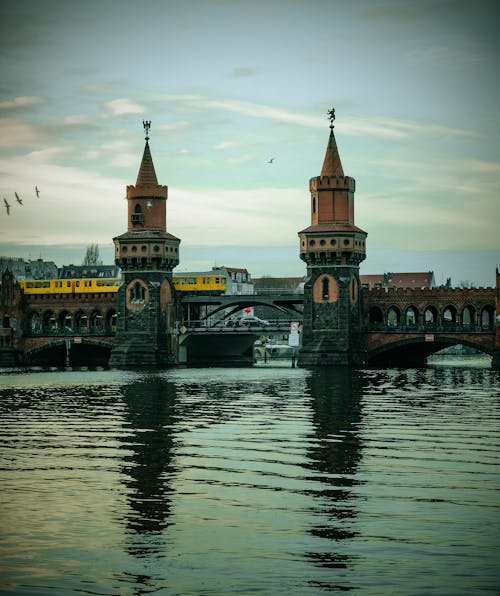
pixel 332 247
pixel 146 254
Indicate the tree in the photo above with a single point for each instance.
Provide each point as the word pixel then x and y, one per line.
pixel 92 255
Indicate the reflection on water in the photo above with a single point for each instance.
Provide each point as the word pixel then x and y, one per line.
pixel 273 481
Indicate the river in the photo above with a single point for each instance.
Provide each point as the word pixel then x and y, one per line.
pixel 268 480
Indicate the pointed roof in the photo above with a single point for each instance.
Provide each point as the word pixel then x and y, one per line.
pixel 332 165
pixel 147 174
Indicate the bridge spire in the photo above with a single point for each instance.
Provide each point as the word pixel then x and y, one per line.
pixel 332 248
pixel 147 174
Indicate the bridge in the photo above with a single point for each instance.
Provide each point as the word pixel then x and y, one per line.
pixel 402 327
pixel 148 323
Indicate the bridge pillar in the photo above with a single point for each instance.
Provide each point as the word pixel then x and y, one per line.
pixel 332 247
pixel 147 254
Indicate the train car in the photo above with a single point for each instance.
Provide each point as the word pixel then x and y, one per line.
pixel 71 286
pixel 203 283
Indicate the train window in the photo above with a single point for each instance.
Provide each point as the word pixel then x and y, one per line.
pixel 77 283
pixel 68 284
pixel 29 284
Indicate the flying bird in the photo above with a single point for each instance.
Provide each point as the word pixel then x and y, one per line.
pixel 271 160
pixel 7 206
pixel 37 192
pixel 18 199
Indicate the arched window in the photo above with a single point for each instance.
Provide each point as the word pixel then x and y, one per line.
pixel 393 316
pixel 411 316
pixel 375 315
pixel 96 321
pixel 49 321
pixel 314 204
pixel 137 292
pixel 138 209
pixel 469 316
pixel 430 316
pixel 487 317
pixel 449 315
pixel 65 321
pixel 325 288
pixel 354 290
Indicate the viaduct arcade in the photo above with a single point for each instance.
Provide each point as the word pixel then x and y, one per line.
pixel 148 324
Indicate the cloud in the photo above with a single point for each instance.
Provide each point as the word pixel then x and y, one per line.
pixel 121 106
pixel 376 126
pixel 77 119
pixel 179 125
pixel 21 102
pixel 16 133
pixel 226 145
pixel 243 71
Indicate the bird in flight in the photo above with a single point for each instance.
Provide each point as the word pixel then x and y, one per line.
pixel 271 160
pixel 37 192
pixel 18 199
pixel 7 206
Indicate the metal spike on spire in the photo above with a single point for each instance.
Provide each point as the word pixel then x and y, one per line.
pixel 147 126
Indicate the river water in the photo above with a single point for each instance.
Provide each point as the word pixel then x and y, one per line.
pixel 270 480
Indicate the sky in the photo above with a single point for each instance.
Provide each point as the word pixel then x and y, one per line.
pixel 230 84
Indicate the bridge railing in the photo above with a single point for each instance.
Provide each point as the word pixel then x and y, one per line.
pixel 271 325
pixel 67 332
pixel 442 327
pixel 267 291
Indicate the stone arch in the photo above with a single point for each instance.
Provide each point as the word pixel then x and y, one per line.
pixel 469 316
pixel 96 321
pixel 449 316
pixel 111 317
pixel 393 316
pixel 430 316
pixel 65 320
pixel 487 317
pixel 34 322
pixel 411 316
pixel 375 315
pixel 50 323
pixel 81 322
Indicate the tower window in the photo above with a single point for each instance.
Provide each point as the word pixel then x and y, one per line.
pixel 333 242
pixel 312 242
pixel 325 288
pixel 137 292
pixel 314 204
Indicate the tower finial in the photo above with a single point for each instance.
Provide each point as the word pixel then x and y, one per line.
pixel 147 126
pixel 331 116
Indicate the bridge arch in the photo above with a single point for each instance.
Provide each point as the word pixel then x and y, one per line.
pixel 449 314
pixel 57 351
pixel 414 351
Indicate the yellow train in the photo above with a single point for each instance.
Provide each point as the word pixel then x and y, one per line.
pixel 205 283
pixel 188 282
pixel 70 286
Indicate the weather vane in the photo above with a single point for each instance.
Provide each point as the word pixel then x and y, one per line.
pixel 331 116
pixel 147 126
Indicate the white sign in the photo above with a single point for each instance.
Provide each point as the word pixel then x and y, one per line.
pixel 294 339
